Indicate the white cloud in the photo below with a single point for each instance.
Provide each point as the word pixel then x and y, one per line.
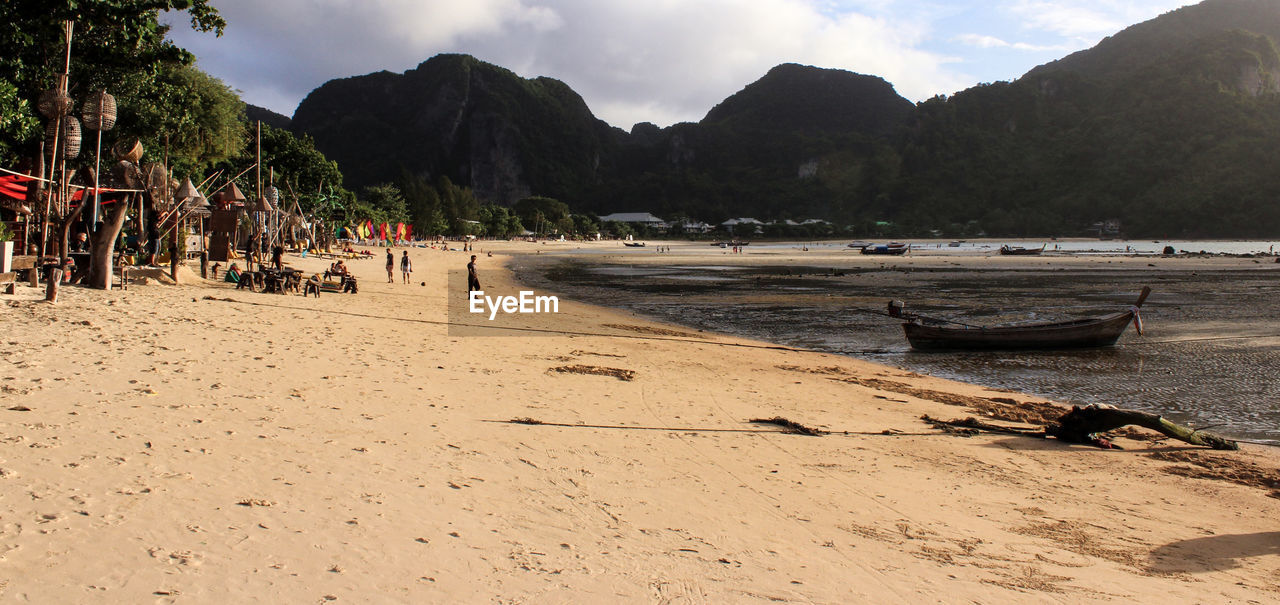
pixel 981 41
pixel 1088 19
pixel 660 61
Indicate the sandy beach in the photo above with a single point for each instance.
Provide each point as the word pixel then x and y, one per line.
pixel 194 443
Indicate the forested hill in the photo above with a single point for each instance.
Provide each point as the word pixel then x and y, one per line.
pixel 1170 126
pixel 253 113
pixel 1159 39
pixel 1177 136
pixel 455 116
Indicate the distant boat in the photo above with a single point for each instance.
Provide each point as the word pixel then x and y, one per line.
pixel 928 334
pixel 859 245
pixel 892 249
pixel 633 244
pixel 1008 250
pixel 955 244
pixel 731 243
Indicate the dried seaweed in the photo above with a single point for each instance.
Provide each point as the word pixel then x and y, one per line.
pixel 789 426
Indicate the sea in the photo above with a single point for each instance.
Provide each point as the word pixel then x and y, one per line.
pixel 1209 355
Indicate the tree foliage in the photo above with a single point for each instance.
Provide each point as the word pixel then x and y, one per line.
pixel 117 45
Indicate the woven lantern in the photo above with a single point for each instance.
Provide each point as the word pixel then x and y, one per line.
pixel 68 136
pixel 125 175
pixel 272 196
pixel 157 177
pixel 129 150
pixel 54 103
pixel 99 111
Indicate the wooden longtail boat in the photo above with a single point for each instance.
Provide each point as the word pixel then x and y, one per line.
pixel 1008 250
pixel 926 334
pixel 892 249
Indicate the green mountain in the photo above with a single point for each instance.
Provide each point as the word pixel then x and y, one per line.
pixel 1169 127
pixel 253 113
pixel 1160 39
pixel 457 117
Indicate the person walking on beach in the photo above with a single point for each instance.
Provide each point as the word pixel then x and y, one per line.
pixel 473 279
pixel 391 267
pixel 406 266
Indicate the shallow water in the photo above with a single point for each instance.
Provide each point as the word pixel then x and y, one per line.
pixel 1209 356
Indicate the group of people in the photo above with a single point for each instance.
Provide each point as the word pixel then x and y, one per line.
pixel 406 269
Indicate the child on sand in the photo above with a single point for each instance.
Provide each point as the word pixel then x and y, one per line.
pixel 406 266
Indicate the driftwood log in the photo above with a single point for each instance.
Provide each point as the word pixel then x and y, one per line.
pixel 1082 424
pixel 1087 425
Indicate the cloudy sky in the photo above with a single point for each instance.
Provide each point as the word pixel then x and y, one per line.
pixel 660 61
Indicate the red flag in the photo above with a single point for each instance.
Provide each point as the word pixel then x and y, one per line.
pixel 408 232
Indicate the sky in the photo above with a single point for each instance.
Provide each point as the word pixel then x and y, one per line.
pixel 659 61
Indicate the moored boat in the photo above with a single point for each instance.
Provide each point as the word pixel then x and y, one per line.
pixel 892 248
pixel 1008 250
pixel 926 334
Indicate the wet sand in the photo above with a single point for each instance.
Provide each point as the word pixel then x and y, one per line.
pixel 1207 357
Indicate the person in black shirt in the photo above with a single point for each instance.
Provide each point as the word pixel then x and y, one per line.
pixel 473 279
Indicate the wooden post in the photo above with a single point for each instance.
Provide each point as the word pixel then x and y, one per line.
pixel 51 289
pixel 204 264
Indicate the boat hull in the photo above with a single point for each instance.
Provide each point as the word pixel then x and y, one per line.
pixel 1082 333
pixel 890 250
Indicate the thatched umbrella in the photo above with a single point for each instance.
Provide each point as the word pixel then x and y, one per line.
pixel 232 194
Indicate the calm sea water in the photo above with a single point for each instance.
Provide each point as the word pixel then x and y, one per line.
pixel 1209 357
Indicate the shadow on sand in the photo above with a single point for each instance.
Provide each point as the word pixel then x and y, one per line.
pixel 1213 553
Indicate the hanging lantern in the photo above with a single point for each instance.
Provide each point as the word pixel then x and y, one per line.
pixel 156 180
pixel 54 103
pixel 129 150
pixel 68 136
pixel 272 195
pixel 99 111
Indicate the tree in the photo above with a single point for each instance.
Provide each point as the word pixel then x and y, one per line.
pixel 194 117
pixel 381 204
pixel 540 211
pixel 17 121
pixel 299 168
pixel 118 45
